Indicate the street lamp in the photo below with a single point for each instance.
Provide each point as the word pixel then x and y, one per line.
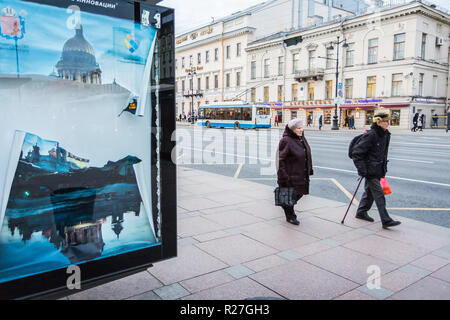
pixel 192 72
pixel 337 43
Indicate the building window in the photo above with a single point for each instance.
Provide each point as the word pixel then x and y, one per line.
pixel 280 93
pixel 399 46
pixel 330 55
pixel 350 55
pixel 199 58
pixel 371 86
pixel 216 54
pixel 216 81
pixel 191 84
pixel 373 51
pixel 253 95
pixel 207 56
pixel 294 91
pixel 329 89
pixel 182 86
pixel 176 64
pixel 266 68
pixel 295 63
pixel 312 59
pixel 182 62
pixel 369 117
pixel 293 114
pixel 207 82
pixel 227 80
pixel 423 46
pixel 327 117
pixel 253 70
pixel 310 90
pixel 395 117
pixel 191 60
pixel 228 50
pixel 280 66
pixel 421 84
pixel 238 79
pixel 199 83
pixel 238 49
pixel 349 88
pixel 266 94
pixel 397 84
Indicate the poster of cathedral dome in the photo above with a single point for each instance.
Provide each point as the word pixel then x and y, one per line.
pixel 80 167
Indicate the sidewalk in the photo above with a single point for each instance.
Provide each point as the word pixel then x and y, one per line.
pixel 234 244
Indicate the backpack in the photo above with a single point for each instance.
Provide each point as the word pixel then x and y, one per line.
pixel 353 143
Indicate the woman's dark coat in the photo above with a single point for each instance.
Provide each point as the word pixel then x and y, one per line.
pixel 294 162
pixel 371 151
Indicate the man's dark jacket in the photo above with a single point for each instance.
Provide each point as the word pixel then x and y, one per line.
pixel 371 151
pixel 294 162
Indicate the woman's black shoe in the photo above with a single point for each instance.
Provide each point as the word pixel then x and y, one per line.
pixel 293 221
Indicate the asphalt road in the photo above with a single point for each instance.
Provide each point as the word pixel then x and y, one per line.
pixel 418 170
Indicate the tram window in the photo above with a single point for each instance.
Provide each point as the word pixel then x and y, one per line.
pixel 247 114
pixel 237 114
pixel 201 113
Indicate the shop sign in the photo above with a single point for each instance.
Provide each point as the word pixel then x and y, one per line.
pixel 363 101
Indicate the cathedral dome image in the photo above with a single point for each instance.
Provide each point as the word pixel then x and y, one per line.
pixel 78 61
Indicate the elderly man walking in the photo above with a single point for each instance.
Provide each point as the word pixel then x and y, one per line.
pixel 370 158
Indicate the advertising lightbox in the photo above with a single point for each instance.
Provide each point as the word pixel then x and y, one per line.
pixel 86 119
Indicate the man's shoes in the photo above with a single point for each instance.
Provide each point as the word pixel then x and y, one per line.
pixel 391 223
pixel 364 217
pixel 293 221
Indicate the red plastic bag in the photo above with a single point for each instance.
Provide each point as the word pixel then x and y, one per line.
pixel 385 186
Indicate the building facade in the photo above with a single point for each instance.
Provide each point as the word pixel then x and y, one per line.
pixel 211 61
pixel 395 59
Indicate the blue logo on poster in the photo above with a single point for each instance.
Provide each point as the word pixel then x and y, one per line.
pixel 132 43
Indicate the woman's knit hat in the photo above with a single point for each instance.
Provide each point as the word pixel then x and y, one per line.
pixel 294 123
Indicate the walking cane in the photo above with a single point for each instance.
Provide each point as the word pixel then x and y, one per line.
pixel 360 180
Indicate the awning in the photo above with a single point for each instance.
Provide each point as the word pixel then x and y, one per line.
pixel 395 105
pixel 358 106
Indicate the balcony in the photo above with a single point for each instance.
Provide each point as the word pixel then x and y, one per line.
pixel 313 74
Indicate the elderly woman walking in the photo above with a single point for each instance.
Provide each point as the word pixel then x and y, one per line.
pixel 294 164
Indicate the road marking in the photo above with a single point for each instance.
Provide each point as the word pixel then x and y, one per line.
pixel 238 170
pixel 348 194
pixel 390 177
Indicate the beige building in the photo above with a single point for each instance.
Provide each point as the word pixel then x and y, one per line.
pixel 394 59
pixel 211 62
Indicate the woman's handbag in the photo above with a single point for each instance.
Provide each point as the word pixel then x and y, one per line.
pixel 385 186
pixel 285 196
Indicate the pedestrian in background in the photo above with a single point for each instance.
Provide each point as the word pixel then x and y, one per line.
pixel 346 121
pixel 294 164
pixel 420 123
pixel 320 122
pixel 415 120
pixel 276 120
pixel 370 158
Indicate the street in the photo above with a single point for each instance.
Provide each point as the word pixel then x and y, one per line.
pixel 417 171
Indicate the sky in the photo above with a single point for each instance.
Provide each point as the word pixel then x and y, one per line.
pixel 195 13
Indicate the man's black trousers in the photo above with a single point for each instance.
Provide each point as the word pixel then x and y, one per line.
pixel 373 192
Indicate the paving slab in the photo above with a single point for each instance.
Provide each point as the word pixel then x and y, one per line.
pixel 120 289
pixel 265 263
pixel 236 249
pixel 207 281
pixel 443 274
pixel 193 204
pixel 349 264
pixel 281 237
pixel 355 295
pixel 431 262
pixel 191 262
pixel 390 250
pixel 171 292
pixel 241 289
pixel 398 280
pixel 428 288
pixel 232 218
pixel 320 228
pixel 193 226
pixel 298 280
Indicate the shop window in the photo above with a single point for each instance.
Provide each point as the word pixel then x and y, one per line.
pixel 327 117
pixel 293 114
pixel 369 117
pixel 395 117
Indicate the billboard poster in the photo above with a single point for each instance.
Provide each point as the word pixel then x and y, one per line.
pixel 80 164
